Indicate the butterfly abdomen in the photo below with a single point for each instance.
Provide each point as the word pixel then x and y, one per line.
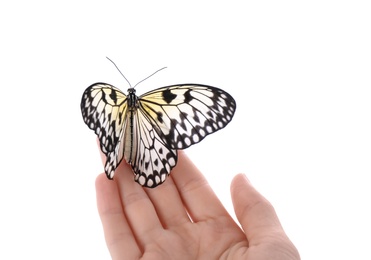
pixel 130 138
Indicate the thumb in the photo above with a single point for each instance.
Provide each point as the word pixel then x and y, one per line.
pixel 255 213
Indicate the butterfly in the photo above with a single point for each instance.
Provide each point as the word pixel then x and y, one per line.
pixel 148 130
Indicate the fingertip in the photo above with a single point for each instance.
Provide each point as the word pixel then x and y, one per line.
pixel 102 187
pixel 106 194
pixel 239 181
pixel 240 177
pixel 100 180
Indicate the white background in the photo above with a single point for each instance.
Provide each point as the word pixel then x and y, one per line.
pixel 299 71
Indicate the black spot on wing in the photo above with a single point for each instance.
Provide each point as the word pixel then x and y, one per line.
pixel 168 96
pixel 187 96
pixel 160 117
pixel 113 96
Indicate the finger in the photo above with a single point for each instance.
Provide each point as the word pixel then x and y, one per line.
pixel 256 215
pixel 119 237
pixel 196 193
pixel 138 208
pixel 168 204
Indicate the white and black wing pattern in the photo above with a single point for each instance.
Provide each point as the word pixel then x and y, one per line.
pixel 104 110
pixel 153 159
pixel 148 130
pixel 185 114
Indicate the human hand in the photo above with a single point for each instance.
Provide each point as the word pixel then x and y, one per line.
pixel 183 219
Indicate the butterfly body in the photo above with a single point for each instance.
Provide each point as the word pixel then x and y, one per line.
pixel 148 130
pixel 129 148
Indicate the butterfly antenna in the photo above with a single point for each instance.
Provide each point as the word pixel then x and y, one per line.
pixel 120 72
pixel 149 76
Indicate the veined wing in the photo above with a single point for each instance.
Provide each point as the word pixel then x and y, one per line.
pixel 154 159
pixel 185 114
pixel 104 110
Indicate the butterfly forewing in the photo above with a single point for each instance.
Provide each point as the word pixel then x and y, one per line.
pixel 104 110
pixel 185 114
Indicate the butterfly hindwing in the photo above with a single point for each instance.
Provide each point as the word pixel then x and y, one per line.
pixel 154 159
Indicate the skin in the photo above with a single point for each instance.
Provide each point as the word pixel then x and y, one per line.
pixel 184 219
